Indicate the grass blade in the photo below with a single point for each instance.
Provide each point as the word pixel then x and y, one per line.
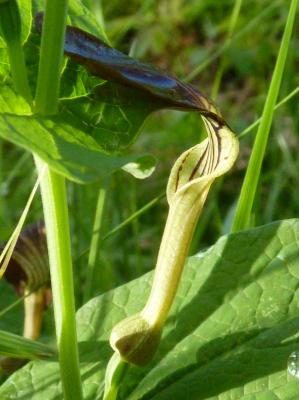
pixel 16 346
pixel 248 191
pixel 95 243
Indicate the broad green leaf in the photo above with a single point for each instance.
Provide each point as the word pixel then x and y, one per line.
pixel 231 329
pixel 76 82
pixel 12 103
pixel 78 142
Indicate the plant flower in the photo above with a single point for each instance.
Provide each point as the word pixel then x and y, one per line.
pixel 136 338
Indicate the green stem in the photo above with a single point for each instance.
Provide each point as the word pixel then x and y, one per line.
pixel 95 241
pixel 10 24
pixel 54 200
pixel 248 191
pixel 57 226
pixel 51 56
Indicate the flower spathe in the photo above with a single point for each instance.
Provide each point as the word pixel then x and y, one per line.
pixel 136 338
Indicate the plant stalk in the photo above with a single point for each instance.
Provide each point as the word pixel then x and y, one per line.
pixel 54 199
pixel 51 57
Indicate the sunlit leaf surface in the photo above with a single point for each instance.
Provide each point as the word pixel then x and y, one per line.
pixel 231 330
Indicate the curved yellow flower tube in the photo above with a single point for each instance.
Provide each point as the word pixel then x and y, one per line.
pixel 136 338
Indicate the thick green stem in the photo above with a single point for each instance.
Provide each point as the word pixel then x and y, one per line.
pixel 248 191
pixel 52 44
pixel 54 200
pixel 57 226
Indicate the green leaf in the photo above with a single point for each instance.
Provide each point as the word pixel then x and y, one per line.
pixel 141 168
pixel 231 329
pixel 80 140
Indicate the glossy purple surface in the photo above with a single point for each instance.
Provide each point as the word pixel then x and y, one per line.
pixel 110 64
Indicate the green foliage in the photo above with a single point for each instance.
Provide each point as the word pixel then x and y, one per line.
pixel 231 329
pixel 79 140
pixel 235 320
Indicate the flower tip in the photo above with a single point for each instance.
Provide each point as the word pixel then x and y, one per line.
pixel 135 340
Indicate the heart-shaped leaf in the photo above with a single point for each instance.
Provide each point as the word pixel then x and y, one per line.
pixel 231 329
pixel 78 142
